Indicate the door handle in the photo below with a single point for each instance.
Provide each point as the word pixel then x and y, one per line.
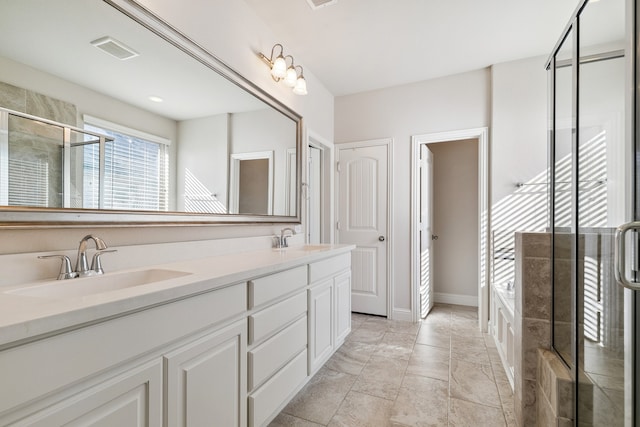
pixel 619 255
pixel 381 238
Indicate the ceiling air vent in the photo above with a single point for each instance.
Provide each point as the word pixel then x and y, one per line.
pixel 317 4
pixel 115 48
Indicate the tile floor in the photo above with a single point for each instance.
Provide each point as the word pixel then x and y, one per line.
pixel 442 372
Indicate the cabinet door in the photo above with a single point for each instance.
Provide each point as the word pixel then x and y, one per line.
pixel 206 380
pixel 131 398
pixel 320 324
pixel 342 285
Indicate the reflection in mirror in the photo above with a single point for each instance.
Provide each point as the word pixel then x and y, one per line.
pixel 99 112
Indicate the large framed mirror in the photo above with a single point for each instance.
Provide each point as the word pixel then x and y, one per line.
pixel 108 115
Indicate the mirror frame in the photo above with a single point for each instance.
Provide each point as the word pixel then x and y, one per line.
pixel 30 217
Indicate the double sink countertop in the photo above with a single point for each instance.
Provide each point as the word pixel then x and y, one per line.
pixel 34 310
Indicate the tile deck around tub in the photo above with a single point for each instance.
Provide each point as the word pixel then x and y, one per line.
pixel 440 372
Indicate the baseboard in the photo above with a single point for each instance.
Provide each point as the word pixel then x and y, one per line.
pixel 440 297
pixel 402 314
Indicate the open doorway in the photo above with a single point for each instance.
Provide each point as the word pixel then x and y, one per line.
pixel 453 207
pixel 419 229
pixel 318 190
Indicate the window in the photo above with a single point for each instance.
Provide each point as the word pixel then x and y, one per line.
pixel 135 170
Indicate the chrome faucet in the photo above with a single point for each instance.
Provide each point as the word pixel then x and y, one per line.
pixel 282 239
pixel 82 265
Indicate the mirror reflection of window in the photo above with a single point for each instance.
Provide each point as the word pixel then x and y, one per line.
pixel 136 172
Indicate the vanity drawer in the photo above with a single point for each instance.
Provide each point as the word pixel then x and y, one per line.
pixel 269 320
pixel 268 357
pixel 328 267
pixel 267 288
pixel 268 398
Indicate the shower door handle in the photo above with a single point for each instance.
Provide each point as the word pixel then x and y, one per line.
pixel 620 255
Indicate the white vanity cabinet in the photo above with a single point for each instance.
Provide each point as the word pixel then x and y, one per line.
pixel 228 354
pixel 119 372
pixel 205 380
pixel 277 353
pixel 329 307
pixel 130 398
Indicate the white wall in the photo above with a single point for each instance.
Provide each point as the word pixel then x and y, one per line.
pixel 518 155
pixel 235 34
pixel 518 124
pixel 204 161
pixel 450 103
pixel 455 220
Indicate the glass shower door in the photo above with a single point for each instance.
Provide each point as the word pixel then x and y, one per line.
pixel 592 194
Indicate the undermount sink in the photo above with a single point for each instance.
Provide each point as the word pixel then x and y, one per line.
pixel 92 285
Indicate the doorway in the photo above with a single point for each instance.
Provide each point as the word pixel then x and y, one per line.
pixel 483 220
pixel 317 190
pixel 453 242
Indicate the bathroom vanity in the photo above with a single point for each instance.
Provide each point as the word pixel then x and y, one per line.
pixel 228 339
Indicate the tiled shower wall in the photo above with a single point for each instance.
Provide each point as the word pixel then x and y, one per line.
pixel 532 319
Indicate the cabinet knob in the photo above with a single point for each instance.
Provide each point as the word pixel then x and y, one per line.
pixel 381 238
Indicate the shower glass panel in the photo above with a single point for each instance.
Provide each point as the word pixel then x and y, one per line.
pixel 34 158
pixel 563 203
pixel 84 176
pixel 601 195
pixel 591 195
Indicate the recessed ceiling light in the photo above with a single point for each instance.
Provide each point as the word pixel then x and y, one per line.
pixel 155 99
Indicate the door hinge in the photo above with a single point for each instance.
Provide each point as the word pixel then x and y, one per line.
pixel 338 166
pixel 337 225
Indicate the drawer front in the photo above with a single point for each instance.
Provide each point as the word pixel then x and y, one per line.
pixel 279 389
pixel 265 289
pixel 268 357
pixel 269 320
pixel 329 267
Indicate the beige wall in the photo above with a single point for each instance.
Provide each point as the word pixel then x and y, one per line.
pixel 455 102
pixel 455 218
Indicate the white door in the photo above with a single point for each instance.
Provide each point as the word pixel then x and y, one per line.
pixel 362 220
pixel 426 230
pixel 315 194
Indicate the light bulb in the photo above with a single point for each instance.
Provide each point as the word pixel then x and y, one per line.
pixel 301 86
pixel 291 78
pixel 279 67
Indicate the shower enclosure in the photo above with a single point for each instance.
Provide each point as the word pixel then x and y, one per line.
pixel 49 164
pixel 593 191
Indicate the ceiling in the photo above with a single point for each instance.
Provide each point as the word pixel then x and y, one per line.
pixel 57 41
pixel 360 45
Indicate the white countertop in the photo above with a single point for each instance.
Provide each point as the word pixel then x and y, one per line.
pixel 23 318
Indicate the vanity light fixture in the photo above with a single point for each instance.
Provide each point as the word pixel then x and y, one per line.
pixel 288 73
pixel 301 84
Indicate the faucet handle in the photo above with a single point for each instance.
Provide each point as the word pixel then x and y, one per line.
pixel 96 264
pixel 65 268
